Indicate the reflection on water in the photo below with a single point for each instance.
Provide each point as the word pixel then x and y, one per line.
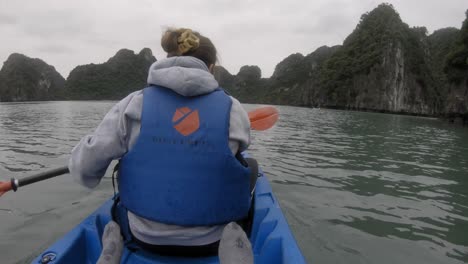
pixel 355 187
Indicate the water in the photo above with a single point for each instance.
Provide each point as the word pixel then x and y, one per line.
pixel 355 187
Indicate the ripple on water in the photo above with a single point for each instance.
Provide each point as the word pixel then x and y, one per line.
pixel 355 187
pixel 398 178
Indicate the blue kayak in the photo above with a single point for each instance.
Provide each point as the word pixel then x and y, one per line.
pixel 271 238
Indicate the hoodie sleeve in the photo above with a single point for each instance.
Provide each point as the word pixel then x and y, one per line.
pixel 111 140
pixel 239 127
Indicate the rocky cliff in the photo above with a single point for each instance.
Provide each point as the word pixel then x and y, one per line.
pixel 293 82
pixel 26 79
pixel 383 65
pixel 299 76
pixel 120 75
pixel 440 44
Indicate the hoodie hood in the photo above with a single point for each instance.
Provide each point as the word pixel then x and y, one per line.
pixel 185 75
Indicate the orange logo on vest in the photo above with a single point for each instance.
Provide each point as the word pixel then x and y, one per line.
pixel 186 120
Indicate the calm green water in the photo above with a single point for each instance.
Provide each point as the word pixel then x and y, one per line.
pixel 355 187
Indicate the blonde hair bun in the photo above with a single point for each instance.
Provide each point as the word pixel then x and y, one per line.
pixel 185 42
pixel 177 42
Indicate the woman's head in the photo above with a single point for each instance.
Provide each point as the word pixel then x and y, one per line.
pixel 185 42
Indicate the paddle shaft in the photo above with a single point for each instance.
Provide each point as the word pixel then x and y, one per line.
pixel 16 183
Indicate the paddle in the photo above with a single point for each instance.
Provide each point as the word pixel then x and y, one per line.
pixel 260 119
pixel 263 118
pixel 14 184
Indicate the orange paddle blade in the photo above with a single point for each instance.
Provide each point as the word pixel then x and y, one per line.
pixel 263 118
pixel 5 187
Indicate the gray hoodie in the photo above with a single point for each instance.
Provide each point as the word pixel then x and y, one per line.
pixel 119 129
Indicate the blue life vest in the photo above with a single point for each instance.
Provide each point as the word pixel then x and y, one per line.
pixel 181 170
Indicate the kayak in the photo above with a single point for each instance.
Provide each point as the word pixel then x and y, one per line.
pixel 271 237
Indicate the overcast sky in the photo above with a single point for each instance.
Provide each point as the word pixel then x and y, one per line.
pixel 258 32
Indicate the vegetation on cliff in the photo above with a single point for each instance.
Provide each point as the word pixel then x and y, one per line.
pixel 120 75
pixel 456 68
pixel 440 44
pixel 383 65
pixel 457 60
pixel 26 79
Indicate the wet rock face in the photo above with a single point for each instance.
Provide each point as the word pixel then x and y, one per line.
pixel 26 79
pixel 393 86
pixel 457 100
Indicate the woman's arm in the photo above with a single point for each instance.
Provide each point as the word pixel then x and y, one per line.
pixel 239 128
pixel 93 154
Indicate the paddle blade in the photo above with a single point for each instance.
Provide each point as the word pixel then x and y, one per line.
pixel 5 187
pixel 263 118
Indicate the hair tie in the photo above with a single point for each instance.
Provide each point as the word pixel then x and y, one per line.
pixel 187 41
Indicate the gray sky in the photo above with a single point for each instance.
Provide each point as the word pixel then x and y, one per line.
pixel 246 32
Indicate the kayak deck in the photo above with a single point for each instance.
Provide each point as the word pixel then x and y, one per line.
pixel 271 238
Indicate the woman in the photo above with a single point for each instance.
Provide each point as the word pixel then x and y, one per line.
pixel 177 140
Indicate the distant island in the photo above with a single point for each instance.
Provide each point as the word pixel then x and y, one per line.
pixel 383 65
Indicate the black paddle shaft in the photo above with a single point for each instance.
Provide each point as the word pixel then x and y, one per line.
pixel 39 177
